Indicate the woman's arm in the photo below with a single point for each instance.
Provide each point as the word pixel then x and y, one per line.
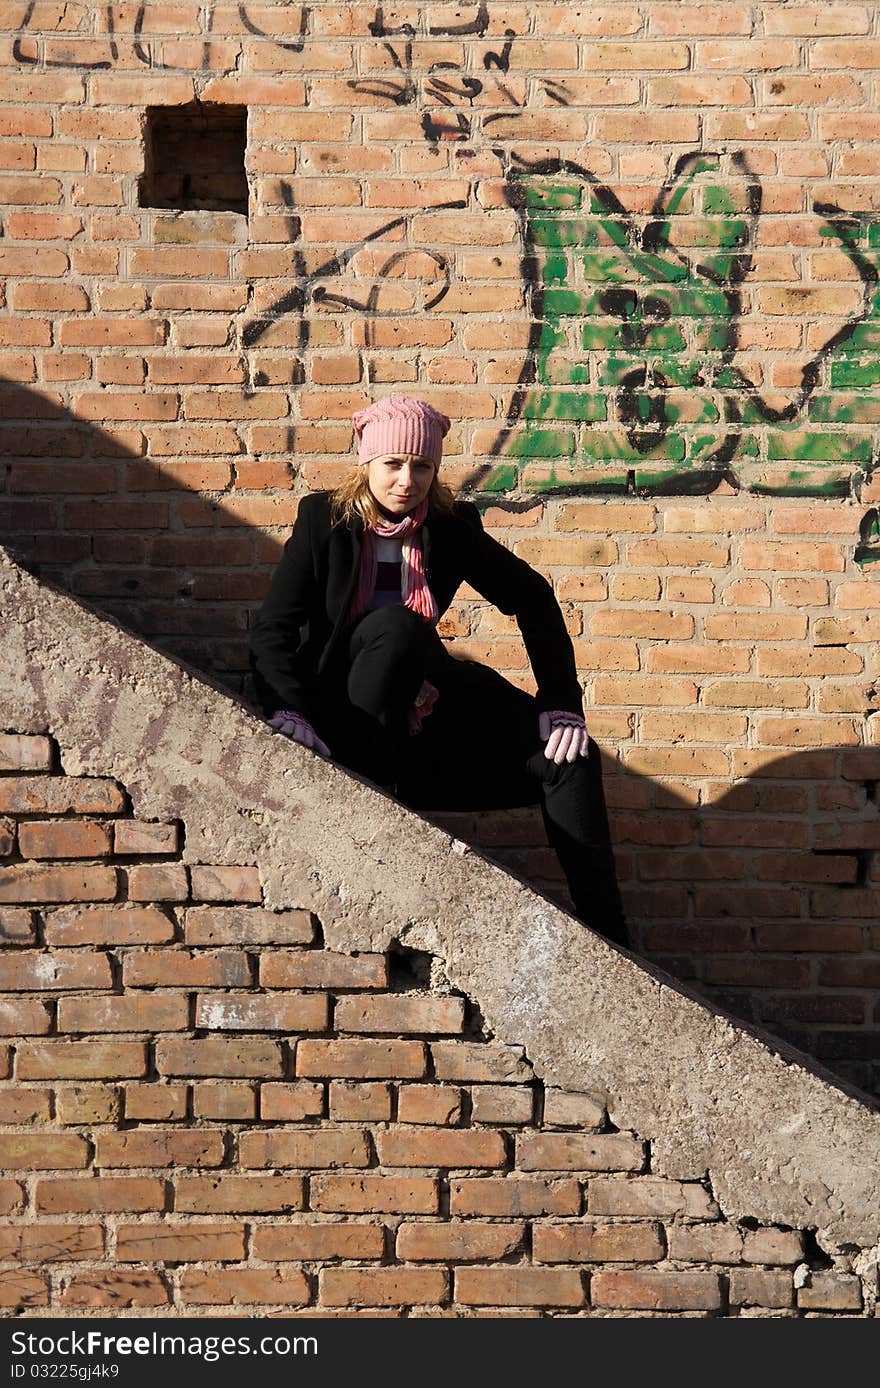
pixel 276 636
pixel 519 591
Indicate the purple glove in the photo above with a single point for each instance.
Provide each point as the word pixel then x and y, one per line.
pixel 565 734
pixel 298 729
pixel 425 701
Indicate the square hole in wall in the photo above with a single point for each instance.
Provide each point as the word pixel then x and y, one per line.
pixel 194 158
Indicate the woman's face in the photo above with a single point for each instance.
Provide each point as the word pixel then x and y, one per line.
pixel 399 481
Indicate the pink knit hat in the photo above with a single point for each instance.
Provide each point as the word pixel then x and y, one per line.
pixel 400 424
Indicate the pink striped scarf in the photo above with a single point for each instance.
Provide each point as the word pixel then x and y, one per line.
pixel 414 591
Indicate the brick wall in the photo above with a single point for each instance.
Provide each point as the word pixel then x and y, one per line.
pixel 632 251
pixel 204 1108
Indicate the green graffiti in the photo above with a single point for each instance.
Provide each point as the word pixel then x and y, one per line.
pixel 635 348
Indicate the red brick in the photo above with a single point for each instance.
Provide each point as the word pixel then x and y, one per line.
pixel 657 1291
pixel 476 1061
pixel 322 969
pixel 428 1103
pixel 598 1243
pixel 400 1012
pixel 785 1246
pixel 24 1105
pixel 185 969
pixel 55 972
pixel 226 884
pixel 305 1148
pixel 137 837
pixel 159 1147
pixel 42 1151
pixel 360 1103
pixel 374 1195
pixel 514 1197
pixel 21 1289
pixel 73 1060
pixel 501 1104
pixel 312 1243
pixel 24 1017
pixel 706 1243
pixel 649 1195
pixel 243 1012
pixel 383 1286
pixel 440 1243
pixel 111 332
pixel 117 1289
pixel 750 1287
pixel 444 1147
pixel 165 440
pixel 108 925
pixel 158 882
pixel 361 1059
pixel 579 1152
pixel 225 1194
pixel 519 1286
pixel 42 1243
pixel 169 1013
pixel 244 1287
pixel 235 1102
pixel 11 1197
pixel 830 1291
pixel 242 925
pixel 23 752
pixel 218 1057
pixel 569 1109
pixel 172 1243
pixel 25 882
pixel 155 1102
pixel 292 1102
pixel 100 1195
pixel 90 1103
pixel 17 927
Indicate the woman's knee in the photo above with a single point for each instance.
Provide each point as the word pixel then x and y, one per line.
pixel 393 626
pixel 587 769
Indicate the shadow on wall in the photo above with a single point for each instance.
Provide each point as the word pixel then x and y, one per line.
pixel 766 900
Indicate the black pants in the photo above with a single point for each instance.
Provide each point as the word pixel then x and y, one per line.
pixel 478 749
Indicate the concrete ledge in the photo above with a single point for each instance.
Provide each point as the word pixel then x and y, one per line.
pixel 782 1142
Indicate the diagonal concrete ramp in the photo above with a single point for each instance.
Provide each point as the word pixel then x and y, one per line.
pixel 781 1141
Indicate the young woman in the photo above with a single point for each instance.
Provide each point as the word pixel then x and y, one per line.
pixel 347 660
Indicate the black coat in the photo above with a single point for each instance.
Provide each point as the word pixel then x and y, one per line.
pixel 298 629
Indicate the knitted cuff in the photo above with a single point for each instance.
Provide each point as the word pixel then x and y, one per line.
pixel 564 718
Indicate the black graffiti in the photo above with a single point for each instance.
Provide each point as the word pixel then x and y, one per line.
pixel 140 50
pixel 501 60
pixel 296 46
pixel 405 91
pixel 296 300
pixel 376 27
pixel 402 90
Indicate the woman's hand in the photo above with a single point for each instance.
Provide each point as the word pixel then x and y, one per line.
pixel 298 729
pixel 565 735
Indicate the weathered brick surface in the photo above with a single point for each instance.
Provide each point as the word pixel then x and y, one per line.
pixel 245 925
pixel 369 1169
pixel 71 1060
pixel 244 1287
pixel 428 1103
pixel 108 925
pixel 657 1291
pixel 220 1056
pixel 322 969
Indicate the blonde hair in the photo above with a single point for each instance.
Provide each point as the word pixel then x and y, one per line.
pixel 354 498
